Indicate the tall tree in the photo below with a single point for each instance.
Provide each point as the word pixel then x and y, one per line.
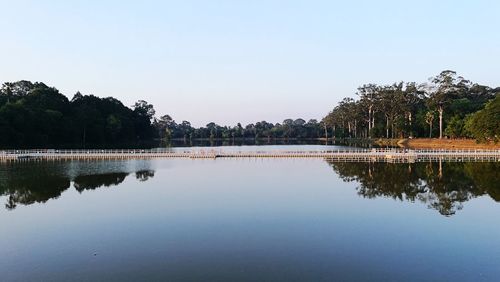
pixel 413 97
pixel 429 118
pixel 444 88
pixel 369 96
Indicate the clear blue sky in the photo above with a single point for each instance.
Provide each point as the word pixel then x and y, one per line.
pixel 244 61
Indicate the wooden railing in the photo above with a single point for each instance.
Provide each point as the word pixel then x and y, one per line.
pixel 335 154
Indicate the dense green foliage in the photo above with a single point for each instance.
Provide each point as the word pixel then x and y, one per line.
pixel 298 128
pixel 439 107
pixel 35 115
pixel 485 124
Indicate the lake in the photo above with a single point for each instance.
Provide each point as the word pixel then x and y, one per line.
pixel 249 220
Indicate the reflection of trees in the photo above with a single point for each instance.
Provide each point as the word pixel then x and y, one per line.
pixel 92 182
pixel 29 183
pixel 442 186
pixel 447 188
pixel 486 177
pixel 144 175
pixel 30 189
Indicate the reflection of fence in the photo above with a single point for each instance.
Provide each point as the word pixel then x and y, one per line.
pixel 370 155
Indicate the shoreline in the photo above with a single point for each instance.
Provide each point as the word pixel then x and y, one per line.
pixel 416 143
pixel 427 143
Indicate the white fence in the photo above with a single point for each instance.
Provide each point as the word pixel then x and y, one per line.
pixel 339 154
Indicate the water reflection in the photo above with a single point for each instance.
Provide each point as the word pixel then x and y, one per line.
pixel 262 142
pixel 444 187
pixel 92 182
pixel 144 175
pixel 38 182
pixel 441 186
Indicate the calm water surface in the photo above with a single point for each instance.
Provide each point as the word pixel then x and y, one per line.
pixel 249 220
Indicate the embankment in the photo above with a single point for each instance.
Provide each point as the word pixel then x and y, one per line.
pixel 427 143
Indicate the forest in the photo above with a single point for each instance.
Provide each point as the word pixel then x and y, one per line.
pixel 447 105
pixel 34 115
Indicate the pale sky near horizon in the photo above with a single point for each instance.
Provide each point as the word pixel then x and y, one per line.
pixel 244 61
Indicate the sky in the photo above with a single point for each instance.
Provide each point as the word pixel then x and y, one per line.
pixel 244 61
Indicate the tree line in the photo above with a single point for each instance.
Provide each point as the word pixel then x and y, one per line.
pixel 447 105
pixel 288 129
pixel 34 115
